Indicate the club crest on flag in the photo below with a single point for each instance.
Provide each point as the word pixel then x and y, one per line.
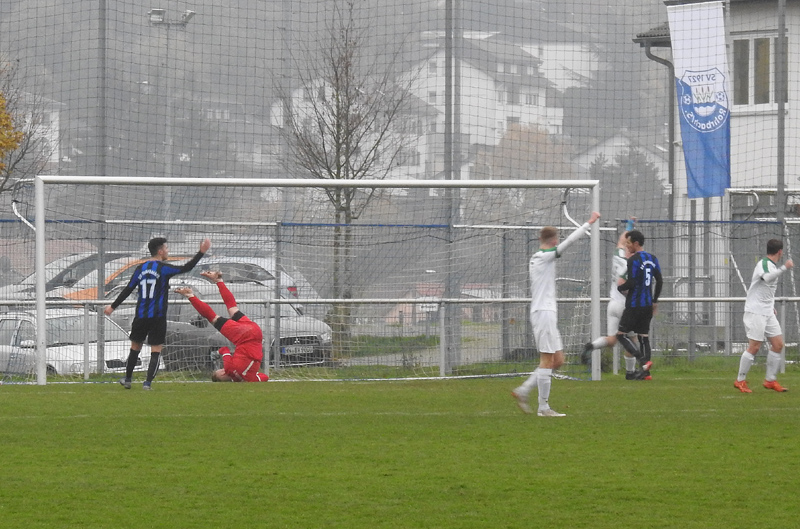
pixel 703 99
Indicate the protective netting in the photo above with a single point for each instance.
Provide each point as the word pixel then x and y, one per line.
pixel 420 90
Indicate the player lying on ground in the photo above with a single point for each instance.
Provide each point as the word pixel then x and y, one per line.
pixel 243 363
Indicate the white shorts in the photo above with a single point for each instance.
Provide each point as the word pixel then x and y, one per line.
pixel 758 326
pixel 613 314
pixel 545 331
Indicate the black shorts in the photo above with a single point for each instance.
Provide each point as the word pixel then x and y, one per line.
pixel 636 319
pixel 154 329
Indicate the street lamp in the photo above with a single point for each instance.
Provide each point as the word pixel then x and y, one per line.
pixel 158 17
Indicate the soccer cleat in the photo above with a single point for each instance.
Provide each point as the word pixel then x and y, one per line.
pixel 549 412
pixel 741 385
pixel 522 401
pixel 773 384
pixel 646 367
pixel 586 354
pixel 146 385
pixel 125 383
pixel 647 376
pixel 630 375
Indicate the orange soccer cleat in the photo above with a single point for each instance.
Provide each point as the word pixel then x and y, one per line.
pixel 773 384
pixel 741 385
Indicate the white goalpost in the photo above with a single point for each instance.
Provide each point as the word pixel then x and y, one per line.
pixel 417 278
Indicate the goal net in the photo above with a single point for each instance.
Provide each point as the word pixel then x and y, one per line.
pixel 426 279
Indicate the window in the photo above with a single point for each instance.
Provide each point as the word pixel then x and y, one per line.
pixel 754 62
pixel 432 67
pixel 7 329
pixel 27 333
pixel 500 67
pixel 531 99
pixel 408 158
pixel 432 97
pixel 512 69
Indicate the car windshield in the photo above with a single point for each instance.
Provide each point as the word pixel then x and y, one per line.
pixel 255 311
pixel 67 330
pixel 234 272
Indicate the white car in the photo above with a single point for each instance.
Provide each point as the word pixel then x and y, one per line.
pixel 71 335
pixel 59 273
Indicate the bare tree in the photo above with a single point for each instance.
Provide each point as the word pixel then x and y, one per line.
pixel 344 122
pixel 30 115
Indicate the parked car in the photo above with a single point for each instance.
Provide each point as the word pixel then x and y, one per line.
pixel 234 270
pixel 192 341
pixel 67 332
pixel 63 272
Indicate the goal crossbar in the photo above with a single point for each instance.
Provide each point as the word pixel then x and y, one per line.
pixel 315 183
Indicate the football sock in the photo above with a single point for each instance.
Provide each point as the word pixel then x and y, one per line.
pixel 530 383
pixel 644 344
pixel 544 387
pixel 152 367
pixel 227 297
pixel 133 356
pixel 203 308
pixel 630 364
pixel 773 364
pixel 599 343
pixel 629 346
pixel 745 363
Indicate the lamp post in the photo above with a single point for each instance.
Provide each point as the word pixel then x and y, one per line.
pixel 158 17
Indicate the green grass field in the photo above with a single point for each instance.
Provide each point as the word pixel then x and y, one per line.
pixel 685 450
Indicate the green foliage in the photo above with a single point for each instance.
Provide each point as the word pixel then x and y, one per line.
pixel 360 346
pixel 9 137
pixel 681 451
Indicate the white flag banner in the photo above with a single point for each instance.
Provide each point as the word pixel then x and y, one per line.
pixel 697 32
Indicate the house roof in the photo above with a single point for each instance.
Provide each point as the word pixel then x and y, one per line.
pixel 484 55
pixel 657 37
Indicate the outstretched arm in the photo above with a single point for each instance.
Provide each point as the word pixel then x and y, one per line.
pixel 191 263
pixel 577 234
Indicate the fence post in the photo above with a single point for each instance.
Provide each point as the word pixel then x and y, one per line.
pixel 276 325
pixel 504 330
pixel 86 327
pixel 442 341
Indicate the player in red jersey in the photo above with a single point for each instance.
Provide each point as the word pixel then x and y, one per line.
pixel 243 363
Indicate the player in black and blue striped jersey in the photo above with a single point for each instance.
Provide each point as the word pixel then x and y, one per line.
pixel 642 288
pixel 150 321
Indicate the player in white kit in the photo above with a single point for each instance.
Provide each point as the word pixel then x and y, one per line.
pixel 760 320
pixel 544 316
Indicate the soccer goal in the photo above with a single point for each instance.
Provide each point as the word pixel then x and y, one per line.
pixel 369 279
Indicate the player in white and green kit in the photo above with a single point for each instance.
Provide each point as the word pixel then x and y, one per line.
pixel 544 316
pixel 760 320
